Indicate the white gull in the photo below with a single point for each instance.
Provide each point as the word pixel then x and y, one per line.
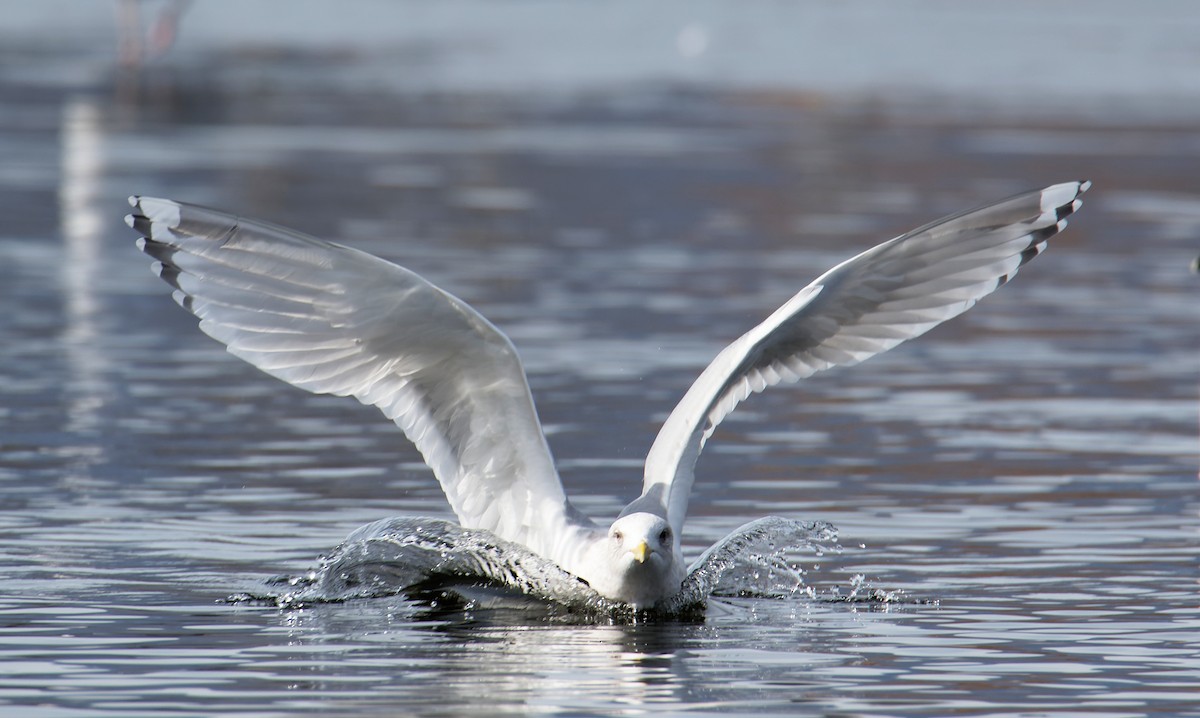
pixel 334 320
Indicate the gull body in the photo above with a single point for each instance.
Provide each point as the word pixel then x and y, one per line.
pixel 335 320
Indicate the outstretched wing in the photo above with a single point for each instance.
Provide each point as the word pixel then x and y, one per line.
pixel 866 305
pixel 335 320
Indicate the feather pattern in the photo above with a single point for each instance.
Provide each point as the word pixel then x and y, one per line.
pixel 866 305
pixel 333 320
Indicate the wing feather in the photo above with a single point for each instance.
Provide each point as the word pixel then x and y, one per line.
pixel 334 320
pixel 893 292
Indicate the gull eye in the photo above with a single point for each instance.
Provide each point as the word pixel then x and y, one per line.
pixel 618 535
pixel 664 536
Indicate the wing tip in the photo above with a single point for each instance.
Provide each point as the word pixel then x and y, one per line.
pixel 1061 201
pixel 1059 197
pixel 153 218
pixel 1060 207
pixel 137 217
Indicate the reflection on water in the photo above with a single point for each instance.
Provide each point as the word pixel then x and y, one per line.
pixel 1025 475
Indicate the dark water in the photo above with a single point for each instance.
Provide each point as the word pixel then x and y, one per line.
pixel 1023 478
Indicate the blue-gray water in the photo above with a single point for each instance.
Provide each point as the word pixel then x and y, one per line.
pixel 1023 479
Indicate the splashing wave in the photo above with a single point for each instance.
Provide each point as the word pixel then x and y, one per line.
pixel 423 557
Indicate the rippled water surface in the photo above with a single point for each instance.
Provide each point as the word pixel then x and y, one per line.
pixel 1022 482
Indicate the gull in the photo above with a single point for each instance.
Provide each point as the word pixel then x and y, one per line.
pixel 335 320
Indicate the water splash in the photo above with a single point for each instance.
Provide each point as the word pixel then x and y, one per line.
pixel 424 556
pixel 754 561
pixel 436 560
pixel 862 591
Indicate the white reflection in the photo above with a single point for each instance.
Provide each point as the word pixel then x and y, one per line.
pixel 548 668
pixel 81 167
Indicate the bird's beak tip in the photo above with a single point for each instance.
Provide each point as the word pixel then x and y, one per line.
pixel 639 552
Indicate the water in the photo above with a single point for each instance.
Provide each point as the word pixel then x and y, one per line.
pixel 1022 481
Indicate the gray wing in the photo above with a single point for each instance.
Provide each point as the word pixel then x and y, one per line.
pixel 334 320
pixel 866 305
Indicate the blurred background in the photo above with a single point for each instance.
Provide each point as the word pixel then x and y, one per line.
pixel 623 189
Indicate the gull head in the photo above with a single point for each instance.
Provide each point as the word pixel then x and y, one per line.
pixel 638 561
pixel 640 538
